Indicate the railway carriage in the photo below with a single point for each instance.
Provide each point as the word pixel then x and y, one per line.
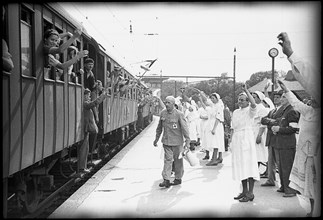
pixel 42 111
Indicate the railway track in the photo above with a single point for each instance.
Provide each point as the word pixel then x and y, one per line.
pixel 67 181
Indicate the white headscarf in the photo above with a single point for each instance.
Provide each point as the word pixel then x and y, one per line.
pixel 219 99
pixel 269 102
pixel 260 95
pixel 191 115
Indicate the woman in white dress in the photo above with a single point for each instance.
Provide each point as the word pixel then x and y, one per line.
pixel 215 130
pixel 192 117
pixel 243 148
pixel 259 129
pixel 213 139
pixel 203 122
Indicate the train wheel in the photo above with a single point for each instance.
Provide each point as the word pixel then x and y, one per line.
pixel 29 197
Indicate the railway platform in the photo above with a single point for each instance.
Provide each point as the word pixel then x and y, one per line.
pixel 127 187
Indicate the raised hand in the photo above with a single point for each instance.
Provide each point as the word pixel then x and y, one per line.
pixel 82 54
pixel 282 85
pixel 77 32
pixel 283 40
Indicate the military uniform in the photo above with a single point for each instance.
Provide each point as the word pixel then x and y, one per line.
pixel 174 128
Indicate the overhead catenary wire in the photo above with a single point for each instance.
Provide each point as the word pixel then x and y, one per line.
pixel 121 55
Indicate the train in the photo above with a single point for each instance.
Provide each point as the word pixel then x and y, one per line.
pixel 43 116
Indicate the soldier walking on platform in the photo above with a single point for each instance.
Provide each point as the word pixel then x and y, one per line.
pixel 174 127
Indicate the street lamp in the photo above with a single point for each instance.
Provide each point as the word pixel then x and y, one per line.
pixel 273 52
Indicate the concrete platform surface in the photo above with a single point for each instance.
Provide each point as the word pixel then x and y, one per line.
pixel 127 186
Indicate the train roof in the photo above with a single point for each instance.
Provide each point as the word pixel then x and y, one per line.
pixel 68 18
pixel 56 6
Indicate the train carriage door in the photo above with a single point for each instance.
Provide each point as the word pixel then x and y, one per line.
pixel 101 76
pixel 108 104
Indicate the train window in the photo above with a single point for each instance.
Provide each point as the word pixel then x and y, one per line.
pixel 48 70
pixel 58 23
pixel 47 15
pixel 4 26
pixel 73 77
pixel 59 74
pixel 109 77
pixel 26 42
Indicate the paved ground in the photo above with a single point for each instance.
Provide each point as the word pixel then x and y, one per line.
pixel 128 187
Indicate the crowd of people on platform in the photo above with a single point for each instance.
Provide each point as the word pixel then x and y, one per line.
pixel 284 135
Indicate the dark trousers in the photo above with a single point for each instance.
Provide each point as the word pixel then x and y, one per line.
pixel 171 155
pixel 92 141
pixel 271 165
pixel 284 159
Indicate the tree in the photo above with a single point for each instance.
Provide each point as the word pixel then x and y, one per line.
pixel 260 76
pixel 169 88
pixel 222 86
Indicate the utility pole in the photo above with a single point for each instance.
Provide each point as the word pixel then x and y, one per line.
pixel 234 79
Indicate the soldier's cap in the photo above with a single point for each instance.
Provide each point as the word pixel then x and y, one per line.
pixel 88 60
pixel 117 68
pixel 50 32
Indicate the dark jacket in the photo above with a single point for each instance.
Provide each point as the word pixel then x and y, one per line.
pixel 89 120
pixel 285 138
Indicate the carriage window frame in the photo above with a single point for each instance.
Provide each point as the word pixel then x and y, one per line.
pixel 76 67
pixel 27 18
pixel 4 30
pixel 61 56
pixel 52 21
pixel 109 65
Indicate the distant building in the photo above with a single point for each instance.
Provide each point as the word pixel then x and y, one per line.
pixel 153 80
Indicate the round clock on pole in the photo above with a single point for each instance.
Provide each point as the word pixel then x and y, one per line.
pixel 273 52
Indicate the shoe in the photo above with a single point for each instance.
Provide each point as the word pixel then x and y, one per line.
pixel 281 190
pixel 211 163
pixel 176 182
pixel 247 198
pixel 166 184
pixel 206 158
pixel 240 196
pixel 85 171
pixel 267 184
pixel 218 161
pixel 289 194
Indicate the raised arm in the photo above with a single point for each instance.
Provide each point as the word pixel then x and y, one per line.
pixel 250 97
pixel 54 62
pixel 306 74
pixel 64 46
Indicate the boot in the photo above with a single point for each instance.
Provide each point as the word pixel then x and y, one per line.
pixel 219 159
pixel 206 155
pixel 166 184
pixel 213 161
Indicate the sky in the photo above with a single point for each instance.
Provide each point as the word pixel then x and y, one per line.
pixel 198 39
